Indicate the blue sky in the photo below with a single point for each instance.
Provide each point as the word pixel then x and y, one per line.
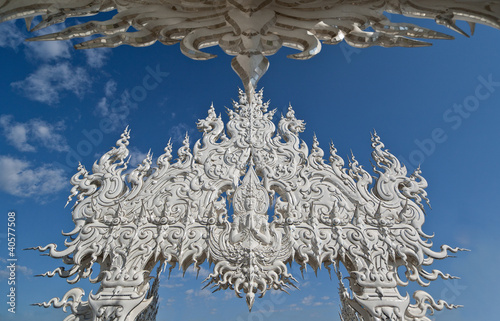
pixel 52 97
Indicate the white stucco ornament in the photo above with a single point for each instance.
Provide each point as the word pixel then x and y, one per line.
pixel 251 30
pixel 288 205
pixel 249 197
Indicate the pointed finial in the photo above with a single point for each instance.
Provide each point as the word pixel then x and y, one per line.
pixel 472 26
pixel 291 113
pixel 28 22
pixel 211 111
pixel 315 141
pixel 250 298
pixel 448 21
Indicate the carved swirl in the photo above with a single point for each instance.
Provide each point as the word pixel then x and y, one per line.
pixel 180 214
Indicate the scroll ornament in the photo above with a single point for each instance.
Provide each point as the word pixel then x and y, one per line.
pixel 249 198
pixel 250 30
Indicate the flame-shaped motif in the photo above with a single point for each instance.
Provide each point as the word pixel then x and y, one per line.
pixel 179 214
pixel 251 30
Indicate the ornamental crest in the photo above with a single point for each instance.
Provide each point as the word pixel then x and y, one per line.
pixel 250 197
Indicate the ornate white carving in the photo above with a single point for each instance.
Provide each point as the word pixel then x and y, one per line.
pixel 252 30
pixel 180 213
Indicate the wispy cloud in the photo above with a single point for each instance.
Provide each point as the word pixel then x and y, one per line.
pixel 48 50
pixel 49 82
pixel 110 88
pixel 23 136
pixel 20 178
pixel 308 300
pixel 136 157
pixel 294 307
pixel 113 107
pixel 10 35
pixel 96 58
pixel 4 273
pixel 206 294
pixel 228 295
pixel 169 302
pixel 171 285
pixel 178 132
pixel 193 272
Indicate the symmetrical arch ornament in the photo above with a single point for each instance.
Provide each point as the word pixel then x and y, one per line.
pixel 248 198
pixel 251 30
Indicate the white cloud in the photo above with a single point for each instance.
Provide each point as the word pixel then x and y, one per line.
pixel 115 108
pixel 206 294
pixel 24 270
pixel 10 35
pixel 294 307
pixel 136 157
pixel 16 134
pixel 49 50
pixel 110 88
pixel 171 285
pixel 96 58
pixel 4 273
pixel 46 133
pixel 194 272
pixel 228 295
pixel 20 178
pixel 20 135
pixel 178 132
pixel 49 81
pixel 103 106
pixel 308 300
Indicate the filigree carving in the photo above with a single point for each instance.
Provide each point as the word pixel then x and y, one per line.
pixel 251 30
pixel 215 204
pixel 250 252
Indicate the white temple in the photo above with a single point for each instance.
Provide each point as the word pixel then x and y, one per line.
pixel 177 213
pixel 213 203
